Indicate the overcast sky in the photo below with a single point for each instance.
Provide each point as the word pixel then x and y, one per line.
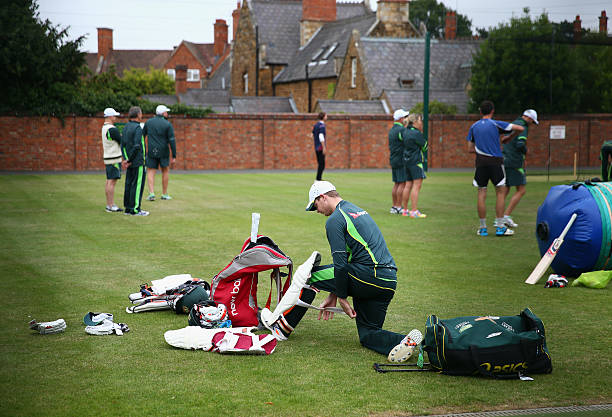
pixel 163 24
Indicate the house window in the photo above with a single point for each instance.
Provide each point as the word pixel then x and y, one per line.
pixel 329 51
pixel 317 54
pixel 245 82
pixel 171 73
pixel 406 82
pixel 193 75
pixel 353 72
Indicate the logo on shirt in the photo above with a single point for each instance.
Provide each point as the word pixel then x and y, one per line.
pixel 359 213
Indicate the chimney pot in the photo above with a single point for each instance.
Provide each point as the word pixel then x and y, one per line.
pixel 319 10
pixel 220 28
pixel 603 23
pixel 105 42
pixel 450 26
pixel 180 81
pixel 577 28
pixel 235 20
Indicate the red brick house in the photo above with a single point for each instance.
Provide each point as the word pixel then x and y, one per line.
pixel 189 63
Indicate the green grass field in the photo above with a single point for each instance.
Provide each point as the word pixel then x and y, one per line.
pixel 62 255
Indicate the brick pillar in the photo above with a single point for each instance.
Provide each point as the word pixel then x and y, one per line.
pixel 450 25
pixel 603 23
pixel 105 42
pixel 220 37
pixel 180 81
pixel 577 28
pixel 235 20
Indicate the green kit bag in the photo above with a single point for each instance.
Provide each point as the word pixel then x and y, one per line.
pixel 501 347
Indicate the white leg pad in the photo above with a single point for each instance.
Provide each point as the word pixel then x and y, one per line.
pixel 251 344
pixel 298 282
pixel 196 337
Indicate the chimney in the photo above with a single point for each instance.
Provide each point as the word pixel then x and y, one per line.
pixel 393 15
pixel 314 14
pixel 450 25
pixel 180 83
pixel 220 37
pixel 235 19
pixel 319 10
pixel 603 23
pixel 577 28
pixel 105 42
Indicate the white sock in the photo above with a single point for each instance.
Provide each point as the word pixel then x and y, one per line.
pixel 483 222
pixel 499 221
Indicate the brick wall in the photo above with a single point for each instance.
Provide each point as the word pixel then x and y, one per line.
pixel 284 141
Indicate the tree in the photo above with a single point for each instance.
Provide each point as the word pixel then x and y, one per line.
pixel 149 81
pixel 436 21
pixel 40 71
pixel 537 64
pixel 520 66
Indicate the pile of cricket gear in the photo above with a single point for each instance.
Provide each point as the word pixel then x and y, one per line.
pixel 101 324
pixel 175 292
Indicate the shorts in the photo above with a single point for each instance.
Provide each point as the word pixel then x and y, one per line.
pixel 113 171
pixel 495 173
pixel 154 163
pixel 398 174
pixel 415 172
pixel 515 177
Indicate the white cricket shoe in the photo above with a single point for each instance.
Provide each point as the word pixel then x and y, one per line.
pixel 405 349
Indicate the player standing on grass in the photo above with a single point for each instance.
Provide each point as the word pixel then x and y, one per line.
pixel 515 149
pixel 160 134
pixel 111 144
pixel 363 268
pixel 396 159
pixel 483 140
pixel 415 145
pixel 134 153
pixel 319 135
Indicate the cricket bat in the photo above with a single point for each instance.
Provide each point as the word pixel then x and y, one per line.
pixel 254 226
pixel 550 254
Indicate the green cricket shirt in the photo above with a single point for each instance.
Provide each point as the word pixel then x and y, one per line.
pixel 132 144
pixel 358 248
pixel 415 145
pixel 396 145
pixel 515 150
pixel 160 134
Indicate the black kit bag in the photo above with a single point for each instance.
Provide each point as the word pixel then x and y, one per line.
pixel 501 347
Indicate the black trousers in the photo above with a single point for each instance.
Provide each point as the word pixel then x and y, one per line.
pixel 134 186
pixel 369 301
pixel 321 163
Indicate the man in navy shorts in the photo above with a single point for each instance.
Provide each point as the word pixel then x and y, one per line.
pixel 160 140
pixel 483 140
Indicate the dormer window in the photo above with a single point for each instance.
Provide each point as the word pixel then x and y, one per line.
pixel 317 54
pixel 405 82
pixel 329 51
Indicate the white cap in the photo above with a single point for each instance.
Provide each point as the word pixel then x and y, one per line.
pixel 109 111
pixel 317 189
pixel 400 114
pixel 161 109
pixel 531 113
